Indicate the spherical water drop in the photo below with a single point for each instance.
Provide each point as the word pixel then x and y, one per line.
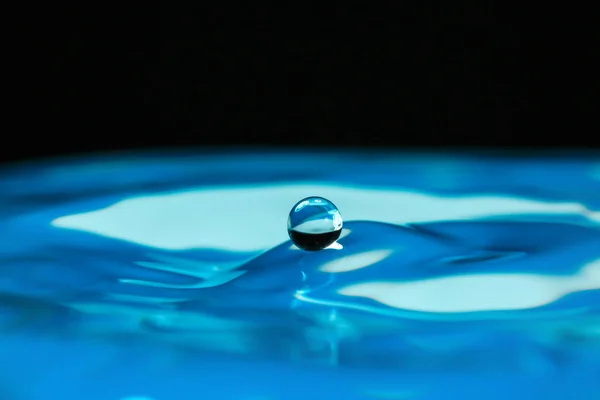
pixel 314 223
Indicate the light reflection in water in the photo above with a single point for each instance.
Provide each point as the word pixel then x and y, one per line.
pixel 355 261
pixel 481 292
pixel 499 284
pixel 192 219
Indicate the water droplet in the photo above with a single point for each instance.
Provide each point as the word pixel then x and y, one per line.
pixel 314 223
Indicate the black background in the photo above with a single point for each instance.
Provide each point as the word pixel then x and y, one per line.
pixel 359 75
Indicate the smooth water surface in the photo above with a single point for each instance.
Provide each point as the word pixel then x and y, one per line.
pixel 146 277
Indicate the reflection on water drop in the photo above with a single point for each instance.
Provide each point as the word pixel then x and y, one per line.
pixel 314 224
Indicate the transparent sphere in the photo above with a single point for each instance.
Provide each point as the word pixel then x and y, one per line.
pixel 314 223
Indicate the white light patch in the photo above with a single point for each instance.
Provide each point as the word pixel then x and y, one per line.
pixel 334 246
pixel 301 205
pixel 481 292
pixel 249 218
pixel 355 261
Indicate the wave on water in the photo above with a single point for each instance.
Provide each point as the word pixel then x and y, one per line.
pixel 444 264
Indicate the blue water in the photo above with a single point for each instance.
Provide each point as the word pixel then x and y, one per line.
pixel 171 277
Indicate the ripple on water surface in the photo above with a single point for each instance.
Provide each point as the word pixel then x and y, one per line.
pixel 449 272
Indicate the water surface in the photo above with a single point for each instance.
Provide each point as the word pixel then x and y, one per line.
pixel 171 277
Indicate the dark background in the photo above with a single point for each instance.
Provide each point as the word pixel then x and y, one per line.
pixel 385 75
